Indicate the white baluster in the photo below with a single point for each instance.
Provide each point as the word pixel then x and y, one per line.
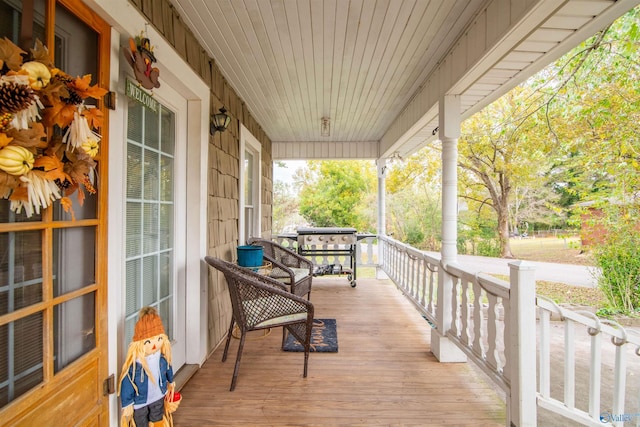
pixel 595 374
pixel 491 332
pixel 569 364
pixel 478 345
pixel 545 353
pixel 464 312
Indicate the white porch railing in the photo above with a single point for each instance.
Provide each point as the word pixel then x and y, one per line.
pixel 585 340
pixel 486 326
pixel 414 272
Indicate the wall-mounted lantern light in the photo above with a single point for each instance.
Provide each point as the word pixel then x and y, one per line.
pixel 219 122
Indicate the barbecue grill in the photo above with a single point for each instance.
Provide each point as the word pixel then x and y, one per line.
pixel 322 241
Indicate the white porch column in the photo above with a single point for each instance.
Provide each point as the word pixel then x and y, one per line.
pixel 521 403
pixel 449 131
pixel 381 165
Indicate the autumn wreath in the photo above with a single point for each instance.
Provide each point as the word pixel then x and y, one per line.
pixel 38 167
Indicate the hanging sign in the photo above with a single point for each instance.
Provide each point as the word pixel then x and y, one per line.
pixel 133 91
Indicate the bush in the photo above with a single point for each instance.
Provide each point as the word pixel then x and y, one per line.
pixel 619 260
pixel 489 247
pixel 479 246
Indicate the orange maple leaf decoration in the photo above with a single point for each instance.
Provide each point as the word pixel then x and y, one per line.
pixel 60 114
pixel 83 88
pixel 94 117
pixel 53 167
pixel 67 204
pixel 20 193
pixel 4 139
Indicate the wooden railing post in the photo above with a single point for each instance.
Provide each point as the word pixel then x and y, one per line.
pixel 522 345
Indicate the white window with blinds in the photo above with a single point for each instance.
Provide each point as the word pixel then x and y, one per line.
pixel 250 167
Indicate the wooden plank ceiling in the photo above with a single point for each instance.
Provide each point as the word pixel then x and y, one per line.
pixel 357 62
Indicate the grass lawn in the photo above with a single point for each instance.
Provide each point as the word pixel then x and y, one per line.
pixel 564 251
pixel 550 249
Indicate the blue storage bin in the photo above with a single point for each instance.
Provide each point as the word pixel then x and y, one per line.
pixel 250 256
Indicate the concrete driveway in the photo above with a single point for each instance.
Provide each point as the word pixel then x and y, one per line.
pixel 576 275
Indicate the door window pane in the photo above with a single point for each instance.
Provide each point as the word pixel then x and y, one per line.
pixel 151 130
pixel 76 54
pixel 166 181
pixel 134 171
pixel 20 270
pixel 166 273
pixel 166 226
pixel 248 178
pixel 134 275
pixel 74 329
pixel 150 220
pixel 134 229
pixel 21 353
pixel 73 259
pixel 11 20
pixel 150 280
pixel 7 215
pixel 151 175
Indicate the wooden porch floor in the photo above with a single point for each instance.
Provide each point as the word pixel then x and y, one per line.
pixel 383 373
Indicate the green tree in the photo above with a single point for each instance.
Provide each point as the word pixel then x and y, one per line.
pixel 502 147
pixel 593 112
pixel 413 202
pixel 582 112
pixel 335 193
pixel 285 216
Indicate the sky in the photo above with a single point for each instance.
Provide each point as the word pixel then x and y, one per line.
pixel 286 174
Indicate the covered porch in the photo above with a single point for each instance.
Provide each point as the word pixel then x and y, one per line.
pixel 383 373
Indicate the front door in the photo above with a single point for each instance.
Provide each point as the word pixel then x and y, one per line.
pixel 155 214
pixel 53 276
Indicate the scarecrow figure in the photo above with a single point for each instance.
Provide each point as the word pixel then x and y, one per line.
pixel 147 376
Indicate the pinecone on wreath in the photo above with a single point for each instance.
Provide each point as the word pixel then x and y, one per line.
pixel 15 97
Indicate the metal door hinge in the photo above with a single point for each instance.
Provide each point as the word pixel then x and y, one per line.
pixel 110 100
pixel 109 385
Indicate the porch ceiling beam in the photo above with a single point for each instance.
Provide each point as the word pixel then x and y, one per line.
pixel 317 150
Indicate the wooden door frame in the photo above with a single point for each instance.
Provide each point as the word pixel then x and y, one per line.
pixel 41 404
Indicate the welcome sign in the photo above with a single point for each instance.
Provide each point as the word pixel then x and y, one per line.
pixel 133 91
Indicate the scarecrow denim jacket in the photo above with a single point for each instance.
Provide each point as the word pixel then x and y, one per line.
pixel 128 393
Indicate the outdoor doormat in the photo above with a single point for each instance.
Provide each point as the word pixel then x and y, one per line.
pixel 324 338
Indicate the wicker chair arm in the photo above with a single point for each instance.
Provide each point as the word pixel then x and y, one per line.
pixel 279 270
pixel 292 259
pixel 284 255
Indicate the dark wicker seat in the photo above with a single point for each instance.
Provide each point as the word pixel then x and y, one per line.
pixel 288 267
pixel 260 302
